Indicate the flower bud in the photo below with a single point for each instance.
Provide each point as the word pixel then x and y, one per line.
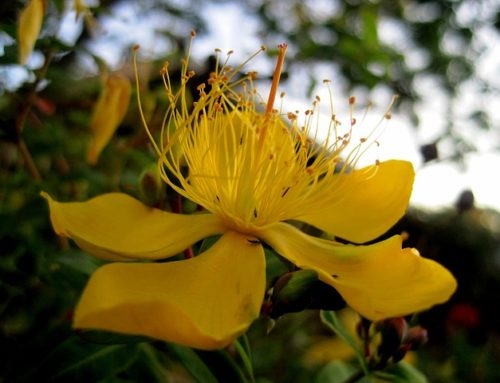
pixel 108 113
pixel 300 290
pixel 28 28
pixel 416 337
pixel 393 332
pixel 151 187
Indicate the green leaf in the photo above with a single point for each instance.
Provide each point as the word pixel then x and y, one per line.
pixel 335 372
pixel 109 337
pixel 150 367
pixel 207 243
pixel 77 361
pixel 402 372
pixel 223 366
pixel 244 352
pixel 369 20
pixel 332 321
pixel 192 363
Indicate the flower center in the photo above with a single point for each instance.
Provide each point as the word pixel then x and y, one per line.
pixel 249 168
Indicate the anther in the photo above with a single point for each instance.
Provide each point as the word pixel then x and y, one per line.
pixel 136 47
pixel 352 100
pixel 252 75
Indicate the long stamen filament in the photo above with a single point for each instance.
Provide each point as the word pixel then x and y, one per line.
pixel 274 89
pixel 276 78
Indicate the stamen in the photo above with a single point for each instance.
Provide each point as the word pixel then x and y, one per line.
pixel 274 89
pixel 135 49
pixel 276 77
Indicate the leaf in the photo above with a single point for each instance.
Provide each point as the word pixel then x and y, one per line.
pixel 369 20
pixel 109 337
pixel 207 243
pixel 223 366
pixel 244 352
pixel 331 320
pixel 403 372
pixel 335 372
pixel 192 363
pixel 150 366
pixel 76 361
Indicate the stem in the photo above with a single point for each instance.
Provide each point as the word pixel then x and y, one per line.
pixel 21 121
pixel 28 160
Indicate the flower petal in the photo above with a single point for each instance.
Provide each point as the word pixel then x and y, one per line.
pixel 362 205
pixel 116 226
pixel 378 281
pixel 203 302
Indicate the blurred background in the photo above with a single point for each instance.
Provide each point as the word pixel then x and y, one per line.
pixel 442 59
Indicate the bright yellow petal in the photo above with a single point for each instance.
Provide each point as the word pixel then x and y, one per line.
pixel 116 226
pixel 28 28
pixel 203 302
pixel 360 208
pixel 379 281
pixel 108 114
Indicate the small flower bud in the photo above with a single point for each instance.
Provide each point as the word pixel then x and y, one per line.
pixel 28 28
pixel 151 187
pixel 416 337
pixel 300 290
pixel 108 114
pixel 393 332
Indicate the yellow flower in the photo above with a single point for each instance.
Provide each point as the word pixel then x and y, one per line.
pixel 28 28
pixel 252 174
pixel 108 113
